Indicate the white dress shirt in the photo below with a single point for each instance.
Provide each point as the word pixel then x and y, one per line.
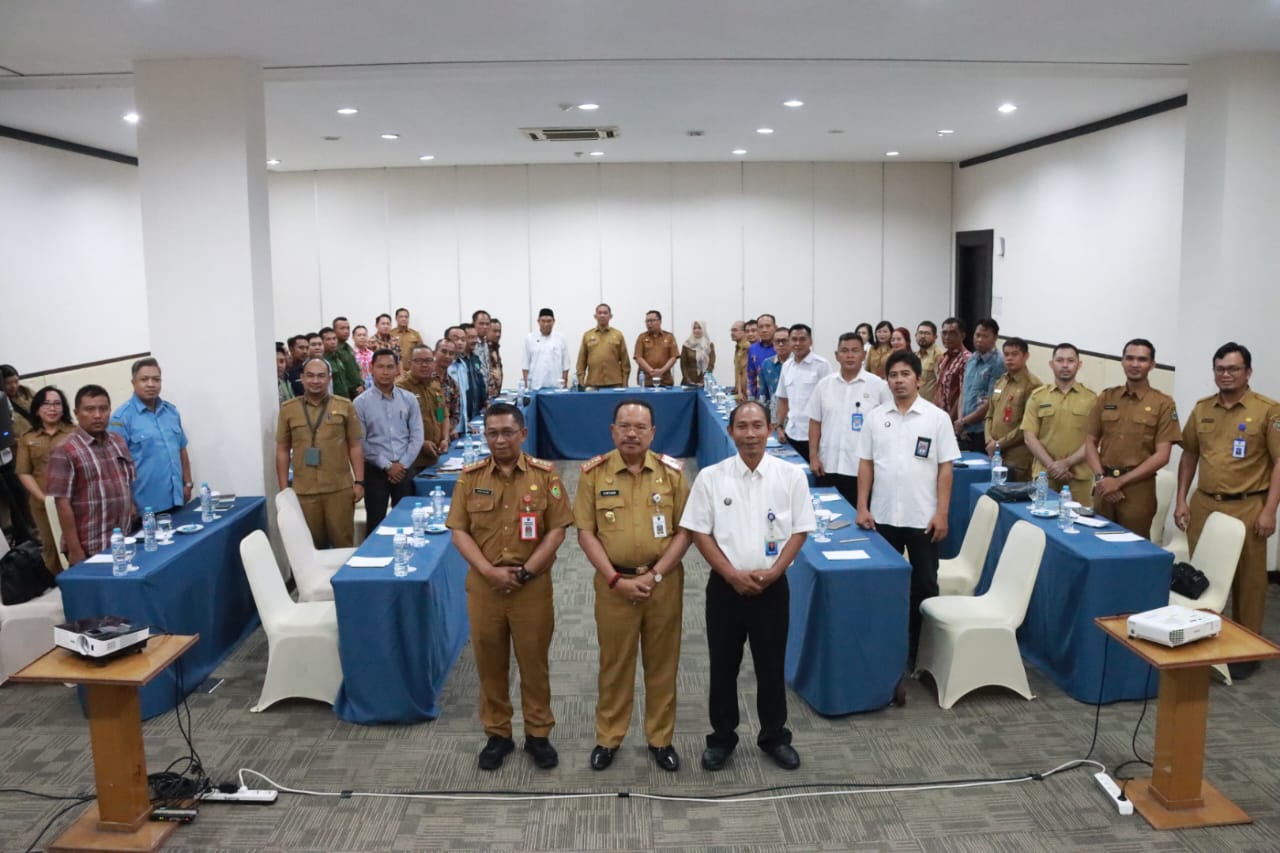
pixel 906 451
pixel 546 357
pixel 834 404
pixel 732 503
pixel 796 385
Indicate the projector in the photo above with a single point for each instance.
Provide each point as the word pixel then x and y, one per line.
pixel 101 637
pixel 1174 625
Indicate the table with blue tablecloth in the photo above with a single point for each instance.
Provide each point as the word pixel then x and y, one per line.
pixel 715 445
pixel 976 469
pixel 1081 577
pixel 847 643
pixel 398 638
pixel 196 585
pixel 575 424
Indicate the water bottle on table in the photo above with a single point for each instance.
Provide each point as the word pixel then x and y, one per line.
pixel 119 558
pixel 999 473
pixel 820 518
pixel 437 505
pixel 402 552
pixel 1042 491
pixel 419 517
pixel 1066 511
pixel 149 541
pixel 206 503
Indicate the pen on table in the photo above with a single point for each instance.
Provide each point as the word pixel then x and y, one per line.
pixel 859 539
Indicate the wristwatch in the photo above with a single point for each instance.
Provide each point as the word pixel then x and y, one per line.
pixel 524 575
pixel 359 483
pixel 188 485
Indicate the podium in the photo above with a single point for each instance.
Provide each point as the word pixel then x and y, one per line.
pixel 120 820
pixel 1176 795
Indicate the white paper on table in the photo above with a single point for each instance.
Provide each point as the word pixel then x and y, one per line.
pixel 1091 522
pixel 392 531
pixel 829 498
pixel 1119 537
pixel 823 512
pixel 846 555
pixel 975 463
pixel 369 562
pixel 99 558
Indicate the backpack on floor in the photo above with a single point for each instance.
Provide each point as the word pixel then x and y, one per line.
pixel 23 575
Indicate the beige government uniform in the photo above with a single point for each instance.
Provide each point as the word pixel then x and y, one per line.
pixel 929 370
pixel 1235 486
pixel 657 348
pixel 1128 427
pixel 602 359
pixel 407 340
pixel 34 448
pixel 1004 422
pixel 323 490
pixel 877 357
pixel 740 363
pixel 487 505
pixel 430 399
pixel 623 510
pixel 1060 421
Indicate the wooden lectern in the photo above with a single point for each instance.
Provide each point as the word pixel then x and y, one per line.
pixel 1176 796
pixel 120 821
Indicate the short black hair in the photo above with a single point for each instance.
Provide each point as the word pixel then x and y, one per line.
pixel 801 327
pixel 148 361
pixel 733 415
pixel 293 339
pixel 870 331
pixel 847 336
pixel 632 401
pixel 1065 345
pixel 494 321
pixel 327 368
pixel 337 320
pixel 932 326
pixel 957 322
pixel 547 312
pixel 750 322
pixel 280 348
pixel 38 398
pixel 605 306
pixel 7 370
pixel 398 310
pixel 381 351
pixel 1139 342
pixel 884 324
pixel 326 330
pixel 314 335
pixel 653 311
pixel 1221 352
pixel 772 319
pixel 355 329
pixel 1017 343
pixel 903 356
pixel 497 410
pixel 380 316
pixel 91 391
pixel 987 323
pixel 476 313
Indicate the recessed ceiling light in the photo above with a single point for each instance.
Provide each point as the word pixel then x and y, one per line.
pixel 347 111
pixel 891 153
pixel 588 107
pixel 1007 108
pixel 390 136
pixel 426 157
pixel 597 153
pixel 273 162
pixel 835 130
pixel 739 151
pixel 132 118
pixel 764 130
pixel 794 102
pixel 945 132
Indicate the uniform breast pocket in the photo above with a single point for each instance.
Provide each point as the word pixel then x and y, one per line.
pixel 1146 422
pixel 1110 416
pixel 609 512
pixel 481 510
pixel 1048 411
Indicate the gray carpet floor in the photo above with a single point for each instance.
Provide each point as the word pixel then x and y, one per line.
pixel 44 746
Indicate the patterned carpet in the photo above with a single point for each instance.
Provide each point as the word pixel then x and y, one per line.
pixel 988 734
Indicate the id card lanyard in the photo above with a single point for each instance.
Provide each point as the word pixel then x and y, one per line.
pixel 528 520
pixel 313 452
pixel 856 419
pixel 771 539
pixel 659 518
pixel 1238 446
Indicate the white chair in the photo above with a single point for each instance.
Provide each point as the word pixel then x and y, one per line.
pixel 55 525
pixel 1217 554
pixel 1165 481
pixel 960 574
pixel 312 567
pixel 967 643
pixel 26 630
pixel 302 637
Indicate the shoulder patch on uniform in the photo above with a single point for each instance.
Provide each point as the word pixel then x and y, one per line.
pixel 593 462
pixel 1208 399
pixel 541 464
pixel 475 466
pixel 671 462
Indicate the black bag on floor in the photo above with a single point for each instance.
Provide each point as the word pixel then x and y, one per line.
pixel 1188 581
pixel 23 575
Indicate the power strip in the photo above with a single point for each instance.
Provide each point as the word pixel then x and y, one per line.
pixel 265 797
pixel 1109 787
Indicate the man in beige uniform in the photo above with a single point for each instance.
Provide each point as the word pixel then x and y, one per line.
pixel 406 338
pixel 508 517
pixel 419 382
pixel 738 332
pixel 602 357
pixel 1233 438
pixel 928 352
pixel 627 511
pixel 1131 431
pixel 656 352
pixel 1003 425
pixel 323 434
pixel 1054 425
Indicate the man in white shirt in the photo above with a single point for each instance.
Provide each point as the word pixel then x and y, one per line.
pixel 748 515
pixel 799 377
pixel 546 354
pixel 838 412
pixel 908 447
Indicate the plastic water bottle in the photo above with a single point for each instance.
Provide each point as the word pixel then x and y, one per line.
pixel 820 519
pixel 574 386
pixel 1042 490
pixel 149 542
pixel 1065 520
pixel 999 473
pixel 437 505
pixel 419 516
pixel 401 545
pixel 206 503
pixel 119 560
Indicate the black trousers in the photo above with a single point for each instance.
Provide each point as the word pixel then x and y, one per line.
pixel 760 620
pixel 922 554
pixel 844 484
pixel 974 441
pixel 801 447
pixel 377 490
pixel 13 493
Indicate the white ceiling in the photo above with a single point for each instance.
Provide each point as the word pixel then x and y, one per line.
pixel 457 79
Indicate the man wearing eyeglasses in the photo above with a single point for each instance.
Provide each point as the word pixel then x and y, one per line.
pixel 1233 439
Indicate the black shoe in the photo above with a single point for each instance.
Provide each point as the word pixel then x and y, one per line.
pixel 714 757
pixel 601 757
pixel 666 758
pixel 494 751
pixel 1242 671
pixel 900 693
pixel 784 755
pixel 544 754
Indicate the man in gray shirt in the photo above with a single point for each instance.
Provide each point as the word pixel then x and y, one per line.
pixel 393 435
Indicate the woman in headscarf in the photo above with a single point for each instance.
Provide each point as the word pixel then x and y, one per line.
pixel 697 356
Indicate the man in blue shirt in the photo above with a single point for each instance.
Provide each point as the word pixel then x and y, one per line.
pixel 760 352
pixel 982 370
pixel 771 370
pixel 393 433
pixel 459 371
pixel 153 430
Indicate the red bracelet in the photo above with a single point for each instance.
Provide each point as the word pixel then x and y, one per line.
pixel 613 581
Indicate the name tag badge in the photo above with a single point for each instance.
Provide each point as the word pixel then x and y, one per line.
pixel 922 447
pixel 856 421
pixel 313 457
pixel 1237 449
pixel 528 527
pixel 771 547
pixel 660 527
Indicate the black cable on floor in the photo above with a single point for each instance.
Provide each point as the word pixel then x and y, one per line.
pixel 68 807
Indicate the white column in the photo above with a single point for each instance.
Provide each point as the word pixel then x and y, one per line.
pixel 203 181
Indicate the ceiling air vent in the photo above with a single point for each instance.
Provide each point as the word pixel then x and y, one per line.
pixel 569 134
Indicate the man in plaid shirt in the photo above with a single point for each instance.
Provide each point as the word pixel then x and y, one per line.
pixel 90 478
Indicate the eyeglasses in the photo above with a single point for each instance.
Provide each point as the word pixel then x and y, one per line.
pixel 1229 370
pixel 506 434
pixel 639 428
pixel 52 403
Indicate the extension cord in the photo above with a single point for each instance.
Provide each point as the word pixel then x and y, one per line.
pixel 1105 782
pixel 244 795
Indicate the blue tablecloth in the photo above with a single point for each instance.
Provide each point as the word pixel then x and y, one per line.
pixel 398 638
pixel 575 425
pixel 847 644
pixel 959 513
pixel 431 477
pixel 1081 577
pixel 714 444
pixel 197 585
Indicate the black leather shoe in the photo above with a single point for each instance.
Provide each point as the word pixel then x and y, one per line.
pixel 714 757
pixel 666 758
pixel 784 755
pixel 1241 671
pixel 544 754
pixel 602 757
pixel 494 751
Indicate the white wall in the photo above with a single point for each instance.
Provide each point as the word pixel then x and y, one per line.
pixel 71 279
pixel 829 244
pixel 1092 229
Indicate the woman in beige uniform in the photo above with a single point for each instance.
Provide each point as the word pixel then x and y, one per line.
pixel 53 417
